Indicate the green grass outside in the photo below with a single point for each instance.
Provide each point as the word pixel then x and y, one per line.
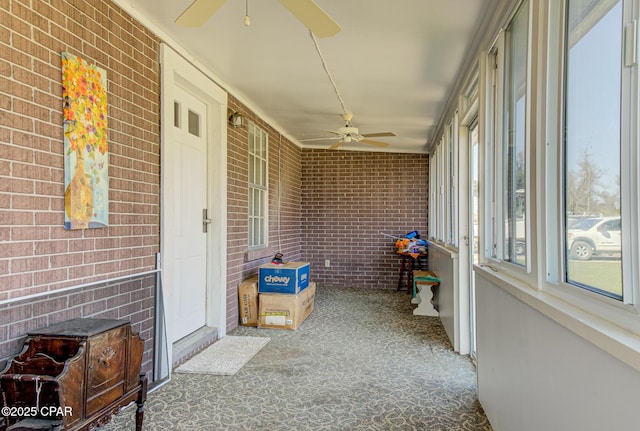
pixel 602 274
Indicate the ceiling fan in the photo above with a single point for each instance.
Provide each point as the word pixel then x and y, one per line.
pixel 348 134
pixel 307 11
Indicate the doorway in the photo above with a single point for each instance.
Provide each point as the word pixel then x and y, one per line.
pixel 187 148
pixel 193 200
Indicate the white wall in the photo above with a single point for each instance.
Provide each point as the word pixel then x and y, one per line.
pixel 534 374
pixel 453 304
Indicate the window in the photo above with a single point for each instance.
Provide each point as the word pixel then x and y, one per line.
pixel 433 196
pixel 507 143
pixel 491 159
pixel 447 174
pixel 594 110
pixel 258 187
pixel 514 149
pixel 452 193
pixel 440 172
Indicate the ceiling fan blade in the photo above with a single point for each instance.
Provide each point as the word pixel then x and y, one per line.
pixel 334 132
pixel 378 135
pixel 312 16
pixel 328 138
pixel 336 145
pixel 376 143
pixel 199 12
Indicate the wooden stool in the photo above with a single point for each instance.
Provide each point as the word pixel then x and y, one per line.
pixel 408 265
pixel 427 299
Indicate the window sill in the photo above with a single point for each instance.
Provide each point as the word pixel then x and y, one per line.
pixel 262 253
pixel 452 252
pixel 613 339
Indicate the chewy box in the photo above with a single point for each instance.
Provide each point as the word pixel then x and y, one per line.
pixel 290 277
pixel 248 301
pixel 284 311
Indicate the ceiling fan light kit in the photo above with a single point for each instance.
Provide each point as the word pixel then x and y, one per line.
pixel 349 134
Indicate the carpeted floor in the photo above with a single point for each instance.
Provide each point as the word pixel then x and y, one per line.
pixel 361 361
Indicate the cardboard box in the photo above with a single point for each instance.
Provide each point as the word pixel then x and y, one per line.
pixel 285 311
pixel 290 277
pixel 248 301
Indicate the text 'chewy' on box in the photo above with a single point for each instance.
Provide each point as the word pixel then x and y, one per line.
pixel 290 277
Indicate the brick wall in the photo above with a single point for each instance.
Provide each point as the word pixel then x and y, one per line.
pixel 36 254
pixel 131 299
pixel 344 198
pixel 285 198
pixel 348 198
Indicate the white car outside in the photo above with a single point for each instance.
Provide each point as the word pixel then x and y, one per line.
pixel 593 236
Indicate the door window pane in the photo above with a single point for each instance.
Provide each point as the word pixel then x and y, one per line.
pixel 176 114
pixel 194 123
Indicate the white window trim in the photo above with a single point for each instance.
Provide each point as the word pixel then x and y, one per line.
pixel 605 322
pixel 452 180
pixel 620 314
pixel 494 181
pixel 630 158
pixel 446 185
pixel 440 217
pixel 432 196
pixel 265 188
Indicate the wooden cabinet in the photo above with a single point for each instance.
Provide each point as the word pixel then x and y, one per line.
pixel 83 370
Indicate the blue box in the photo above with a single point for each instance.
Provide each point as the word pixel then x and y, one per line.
pixel 290 277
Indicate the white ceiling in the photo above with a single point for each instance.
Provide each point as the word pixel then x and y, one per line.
pixel 394 63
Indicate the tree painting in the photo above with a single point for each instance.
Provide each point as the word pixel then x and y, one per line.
pixel 84 98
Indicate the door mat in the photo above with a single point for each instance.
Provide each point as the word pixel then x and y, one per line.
pixel 224 357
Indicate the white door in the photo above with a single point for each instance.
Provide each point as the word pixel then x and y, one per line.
pixel 193 168
pixel 188 149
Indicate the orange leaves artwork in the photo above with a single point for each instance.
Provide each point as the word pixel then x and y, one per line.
pixel 86 149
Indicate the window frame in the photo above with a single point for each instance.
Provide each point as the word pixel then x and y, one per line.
pixel 494 186
pixel 452 186
pixel 607 323
pixel 260 213
pixel 433 196
pixel 623 313
pixel 440 184
pixel 509 160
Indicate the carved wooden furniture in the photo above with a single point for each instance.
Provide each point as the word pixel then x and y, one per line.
pixel 73 376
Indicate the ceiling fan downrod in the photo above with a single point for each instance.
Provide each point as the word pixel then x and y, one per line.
pixel 247 20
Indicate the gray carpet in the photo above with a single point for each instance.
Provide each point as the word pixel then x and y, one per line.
pixel 361 361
